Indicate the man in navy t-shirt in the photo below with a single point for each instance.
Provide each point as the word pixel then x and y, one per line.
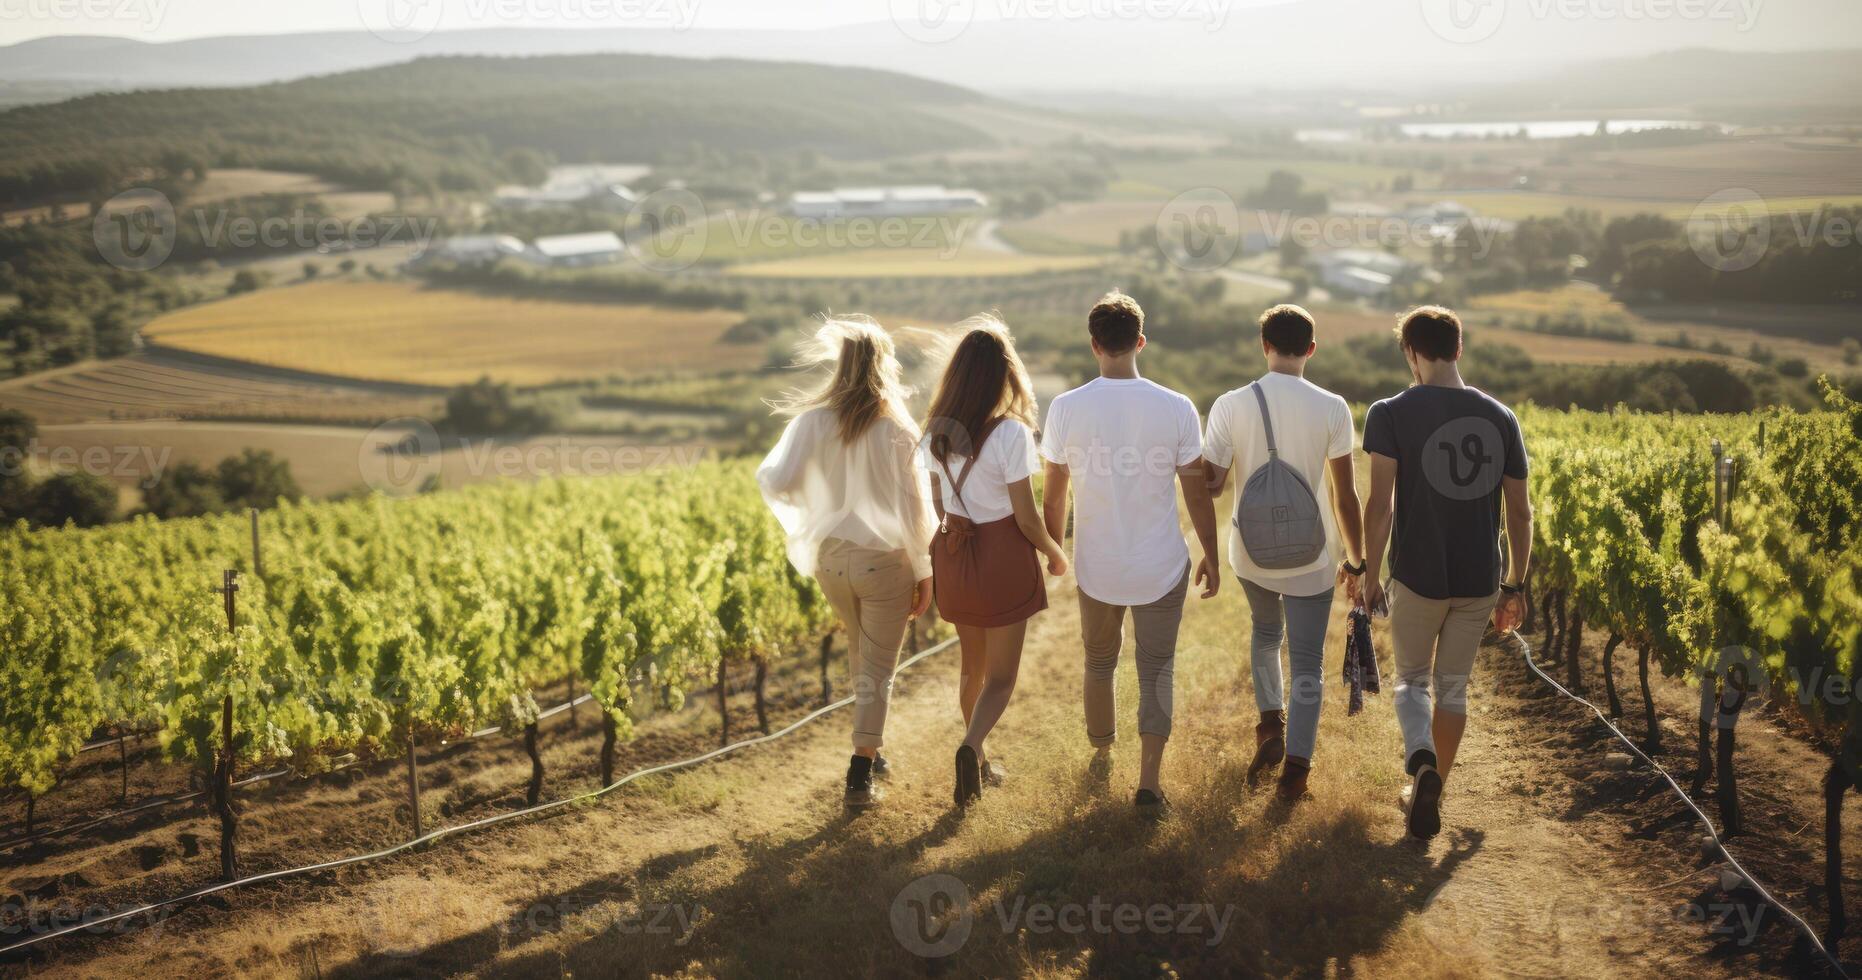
pixel 1451 456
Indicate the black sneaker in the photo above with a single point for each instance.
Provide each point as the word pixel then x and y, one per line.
pixel 861 793
pixel 1152 804
pixel 1425 803
pixel 993 773
pixel 969 777
pixel 882 767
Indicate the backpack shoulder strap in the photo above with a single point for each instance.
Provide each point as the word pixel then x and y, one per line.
pixel 1267 420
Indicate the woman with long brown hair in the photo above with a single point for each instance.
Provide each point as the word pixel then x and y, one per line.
pixel 980 451
pixel 845 484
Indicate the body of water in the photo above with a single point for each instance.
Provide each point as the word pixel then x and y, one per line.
pixel 1542 129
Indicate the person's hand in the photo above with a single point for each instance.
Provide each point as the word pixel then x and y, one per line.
pixel 1209 575
pixel 1372 598
pixel 1509 612
pixel 1350 583
pixel 921 598
pixel 1057 564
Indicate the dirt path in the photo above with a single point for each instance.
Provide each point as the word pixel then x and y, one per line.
pixel 749 866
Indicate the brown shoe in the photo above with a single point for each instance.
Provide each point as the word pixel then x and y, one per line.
pixel 1292 785
pixel 1270 745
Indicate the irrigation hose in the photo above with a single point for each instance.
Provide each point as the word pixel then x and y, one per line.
pixel 262 777
pixel 92 925
pixel 1713 832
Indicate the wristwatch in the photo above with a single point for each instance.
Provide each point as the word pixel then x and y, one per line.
pixel 1510 589
pixel 1354 570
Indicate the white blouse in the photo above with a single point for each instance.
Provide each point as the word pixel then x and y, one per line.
pixel 870 492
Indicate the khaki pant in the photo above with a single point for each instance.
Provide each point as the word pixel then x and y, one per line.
pixel 872 592
pixel 1102 627
pixel 1435 641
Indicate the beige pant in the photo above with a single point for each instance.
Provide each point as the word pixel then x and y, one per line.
pixel 1435 641
pixel 1102 627
pixel 872 592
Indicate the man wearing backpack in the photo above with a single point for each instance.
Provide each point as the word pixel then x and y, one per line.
pixel 1122 445
pixel 1450 455
pixel 1284 436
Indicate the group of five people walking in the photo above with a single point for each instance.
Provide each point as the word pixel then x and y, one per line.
pixel 887 514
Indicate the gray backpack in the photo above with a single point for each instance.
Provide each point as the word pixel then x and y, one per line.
pixel 1277 514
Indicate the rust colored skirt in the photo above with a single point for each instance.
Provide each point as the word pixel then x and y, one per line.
pixel 986 574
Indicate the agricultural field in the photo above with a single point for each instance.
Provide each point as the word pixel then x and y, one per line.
pixel 160 385
pixel 1601 307
pixel 885 263
pixel 399 332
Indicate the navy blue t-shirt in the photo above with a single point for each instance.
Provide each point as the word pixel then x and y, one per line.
pixel 1452 446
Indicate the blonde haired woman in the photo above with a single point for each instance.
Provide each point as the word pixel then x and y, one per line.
pixel 844 483
pixel 981 454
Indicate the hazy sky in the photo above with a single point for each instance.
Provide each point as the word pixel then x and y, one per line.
pixel 167 20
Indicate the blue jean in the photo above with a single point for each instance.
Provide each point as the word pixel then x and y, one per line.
pixel 1305 619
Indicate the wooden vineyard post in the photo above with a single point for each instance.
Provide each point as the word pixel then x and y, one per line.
pixel 222 792
pixel 609 733
pixel 724 705
pixel 535 791
pixel 413 780
pixel 572 718
pixel 762 705
pixel 1574 646
pixel 122 764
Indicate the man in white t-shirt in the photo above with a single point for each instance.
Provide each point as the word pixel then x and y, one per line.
pixel 1123 444
pixel 1312 433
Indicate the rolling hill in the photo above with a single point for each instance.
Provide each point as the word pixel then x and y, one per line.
pixel 455 117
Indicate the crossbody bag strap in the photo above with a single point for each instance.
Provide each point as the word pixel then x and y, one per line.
pixel 969 463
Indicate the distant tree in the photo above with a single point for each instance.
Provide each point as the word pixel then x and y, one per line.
pixel 1852 351
pixel 346 266
pixel 74 498
pixel 489 408
pixel 186 489
pixel 244 281
pixel 256 478
pixel 1292 253
pixel 17 431
pixel 527 166
pixel 311 269
pixel 1403 184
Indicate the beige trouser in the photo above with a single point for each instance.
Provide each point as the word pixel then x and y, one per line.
pixel 1435 641
pixel 1102 627
pixel 872 592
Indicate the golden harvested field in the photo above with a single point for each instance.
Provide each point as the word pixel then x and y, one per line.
pixel 161 385
pixel 402 333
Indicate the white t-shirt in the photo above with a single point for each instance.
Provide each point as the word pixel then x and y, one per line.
pixel 1123 441
pixel 1007 457
pixel 1311 426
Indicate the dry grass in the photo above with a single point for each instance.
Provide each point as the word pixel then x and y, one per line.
pixel 401 332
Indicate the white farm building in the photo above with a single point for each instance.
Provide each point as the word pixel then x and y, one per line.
pixel 884 202
pixel 569 251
